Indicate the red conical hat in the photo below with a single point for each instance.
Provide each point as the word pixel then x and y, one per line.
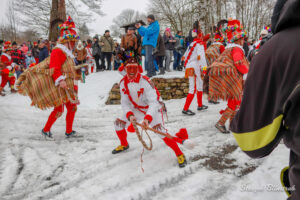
pixel 67 32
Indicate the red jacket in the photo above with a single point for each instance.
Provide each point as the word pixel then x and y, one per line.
pixel 57 59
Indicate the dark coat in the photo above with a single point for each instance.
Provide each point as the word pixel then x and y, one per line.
pixel 169 45
pixel 271 103
pixel 44 53
pixel 160 48
pixel 96 49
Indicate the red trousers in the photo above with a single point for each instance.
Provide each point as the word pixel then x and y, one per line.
pixel 57 112
pixel 122 135
pixel 5 78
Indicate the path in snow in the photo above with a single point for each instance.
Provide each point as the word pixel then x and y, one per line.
pixel 32 168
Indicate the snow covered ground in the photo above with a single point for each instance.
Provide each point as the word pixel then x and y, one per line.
pixel 32 168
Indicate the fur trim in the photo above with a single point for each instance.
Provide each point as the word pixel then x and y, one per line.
pixel 231 45
pixel 8 56
pixel 66 50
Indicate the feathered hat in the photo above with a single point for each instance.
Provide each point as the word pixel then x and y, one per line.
pixel 219 35
pixel 7 46
pixel 234 30
pixel 67 32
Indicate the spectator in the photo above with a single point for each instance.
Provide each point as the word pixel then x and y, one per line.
pixel 35 52
pixel 29 59
pixel 129 41
pixel 1 46
pixel 169 46
pixel 80 53
pixel 17 58
pixel 97 53
pixel 29 44
pixel 89 58
pixel 269 112
pixel 117 60
pixel 159 54
pixel 246 46
pixel 52 45
pixel 84 44
pixel 150 35
pixel 178 50
pixel 44 52
pixel 107 44
pixel 24 48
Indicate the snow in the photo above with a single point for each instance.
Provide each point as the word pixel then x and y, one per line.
pixel 34 168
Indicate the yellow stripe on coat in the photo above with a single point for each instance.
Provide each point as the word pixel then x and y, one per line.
pixel 255 140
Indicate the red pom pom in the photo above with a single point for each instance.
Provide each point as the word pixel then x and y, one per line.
pixel 182 134
pixel 131 128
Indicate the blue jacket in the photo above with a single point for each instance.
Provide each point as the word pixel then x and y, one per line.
pixel 150 34
pixel 43 54
pixel 29 60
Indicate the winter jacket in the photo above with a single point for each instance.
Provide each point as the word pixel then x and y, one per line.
pixel 108 44
pixel 24 49
pixel 29 60
pixel 160 49
pixel 169 45
pixel 129 42
pixel 96 49
pixel 35 52
pixel 44 53
pixel 150 34
pixel 179 45
pixel 81 54
pixel 271 103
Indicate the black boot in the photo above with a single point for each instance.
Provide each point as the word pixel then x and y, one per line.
pixel 73 134
pixel 161 71
pixel 222 129
pixel 213 102
pixel 203 107
pixel 188 112
pixel 46 134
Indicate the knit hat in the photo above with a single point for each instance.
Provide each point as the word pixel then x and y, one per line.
pixel 151 17
pixel 168 30
pixel 234 30
pixel 67 32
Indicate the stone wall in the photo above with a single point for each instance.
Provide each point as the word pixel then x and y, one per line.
pixel 169 88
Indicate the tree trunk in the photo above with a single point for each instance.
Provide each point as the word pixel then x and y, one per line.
pixel 58 16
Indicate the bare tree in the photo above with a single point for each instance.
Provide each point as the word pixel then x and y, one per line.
pixel 180 14
pixel 12 21
pixel 127 16
pixel 35 14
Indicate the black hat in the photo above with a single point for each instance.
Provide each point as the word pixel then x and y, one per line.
pixel 14 43
pixel 151 17
pixel 131 28
pixel 107 31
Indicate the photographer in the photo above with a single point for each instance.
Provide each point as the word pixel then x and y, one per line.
pixel 150 35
